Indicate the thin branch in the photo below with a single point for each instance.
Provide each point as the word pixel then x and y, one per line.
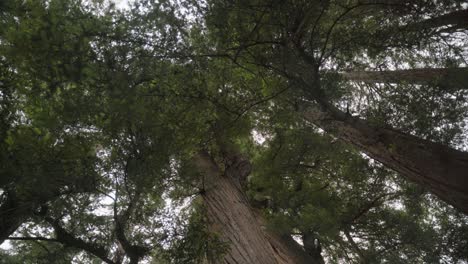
pixel 34 239
pixel 263 100
pixel 355 246
pixel 330 30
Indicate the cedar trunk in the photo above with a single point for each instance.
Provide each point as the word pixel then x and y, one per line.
pixel 440 169
pixel 238 224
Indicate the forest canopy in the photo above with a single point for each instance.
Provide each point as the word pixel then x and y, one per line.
pixel 215 131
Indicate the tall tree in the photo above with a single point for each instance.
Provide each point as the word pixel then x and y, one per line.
pixel 438 168
pixel 290 48
pixel 237 224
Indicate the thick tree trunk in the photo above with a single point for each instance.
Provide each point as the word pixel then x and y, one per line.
pixel 232 218
pixel 446 78
pixel 441 169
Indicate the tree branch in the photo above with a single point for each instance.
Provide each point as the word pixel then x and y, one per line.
pixel 33 239
pixel 68 239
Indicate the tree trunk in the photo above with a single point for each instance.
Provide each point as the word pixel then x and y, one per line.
pixel 12 214
pixel 232 218
pixel 446 78
pixel 441 169
pixel 457 20
pixel 415 33
pixel 397 3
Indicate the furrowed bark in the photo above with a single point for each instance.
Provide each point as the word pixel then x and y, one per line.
pixel 446 78
pixel 232 218
pixel 440 169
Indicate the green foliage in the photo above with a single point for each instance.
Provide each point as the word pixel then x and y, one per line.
pixel 38 253
pixel 307 186
pixel 197 243
pixel 427 111
pixel 102 110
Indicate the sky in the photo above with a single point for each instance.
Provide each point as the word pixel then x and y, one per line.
pixel 122 4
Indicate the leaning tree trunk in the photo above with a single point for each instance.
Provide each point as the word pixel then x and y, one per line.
pixel 232 218
pixel 415 33
pixel 446 78
pixel 456 20
pixel 13 213
pixel 441 169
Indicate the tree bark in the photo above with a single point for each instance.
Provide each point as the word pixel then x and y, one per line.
pixel 231 217
pixel 440 169
pixel 446 78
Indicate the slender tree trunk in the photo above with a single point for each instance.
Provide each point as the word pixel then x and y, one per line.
pixel 232 218
pixel 385 2
pixel 356 248
pixel 456 20
pixel 70 240
pixel 414 33
pixel 12 214
pixel 441 169
pixel 446 78
pixel 312 247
